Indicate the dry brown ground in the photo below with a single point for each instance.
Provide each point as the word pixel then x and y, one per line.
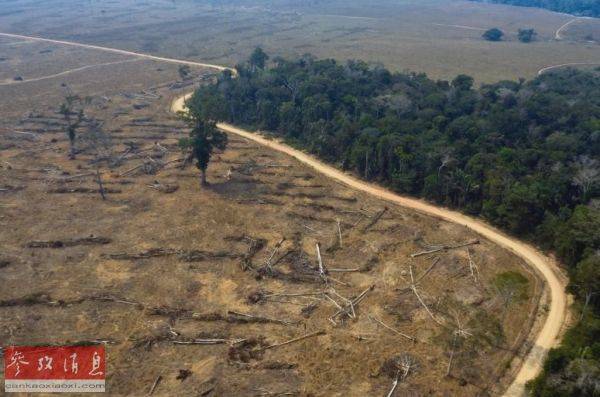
pixel 139 307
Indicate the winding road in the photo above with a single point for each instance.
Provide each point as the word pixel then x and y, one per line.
pixel 558 35
pixel 557 311
pixel 549 334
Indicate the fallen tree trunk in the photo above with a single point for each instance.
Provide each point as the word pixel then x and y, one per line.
pixel 92 240
pixel 375 219
pixel 63 190
pixel 298 339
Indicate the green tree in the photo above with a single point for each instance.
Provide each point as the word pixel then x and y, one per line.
pixel 493 34
pixel 527 35
pixel 258 59
pixel 203 140
pixel 586 280
pixel 184 71
pixel 578 235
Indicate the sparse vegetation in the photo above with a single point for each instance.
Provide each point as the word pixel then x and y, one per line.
pixel 512 286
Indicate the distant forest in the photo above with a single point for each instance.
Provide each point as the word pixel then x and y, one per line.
pixel 590 8
pixel 523 155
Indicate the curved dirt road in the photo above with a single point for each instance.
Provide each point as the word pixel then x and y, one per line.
pixel 548 336
pixel 558 34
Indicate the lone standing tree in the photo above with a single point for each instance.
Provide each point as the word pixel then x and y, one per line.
pixel 203 140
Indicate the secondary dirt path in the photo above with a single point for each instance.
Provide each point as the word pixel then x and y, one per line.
pixel 460 27
pixel 114 50
pixel 558 35
pixel 548 336
pixel 66 72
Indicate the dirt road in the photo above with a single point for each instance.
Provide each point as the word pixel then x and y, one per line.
pixel 548 336
pixel 558 35
pixel 549 68
pixel 66 72
pixel 115 51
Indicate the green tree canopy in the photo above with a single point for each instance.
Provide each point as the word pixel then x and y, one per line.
pixel 526 35
pixel 493 34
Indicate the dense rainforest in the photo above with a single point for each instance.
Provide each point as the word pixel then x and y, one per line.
pixel 590 8
pixel 523 155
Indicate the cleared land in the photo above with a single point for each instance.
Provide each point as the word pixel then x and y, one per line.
pixel 439 37
pixel 162 265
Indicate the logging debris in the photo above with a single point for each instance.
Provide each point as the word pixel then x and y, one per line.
pixel 230 317
pixel 183 374
pixel 208 341
pixel 164 188
pixel 183 255
pixel 444 248
pixel 155 384
pixel 249 349
pixel 91 240
pixel 63 190
pixel 411 338
pixel 374 220
pixel 298 339
pixel 348 310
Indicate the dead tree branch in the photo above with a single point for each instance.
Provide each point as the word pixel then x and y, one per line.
pixel 260 319
pixel 349 309
pixel 100 185
pixel 444 248
pixel 473 267
pixel 155 384
pixel 375 219
pixel 413 287
pixel 392 329
pixel 321 268
pixel 277 246
pixel 298 339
